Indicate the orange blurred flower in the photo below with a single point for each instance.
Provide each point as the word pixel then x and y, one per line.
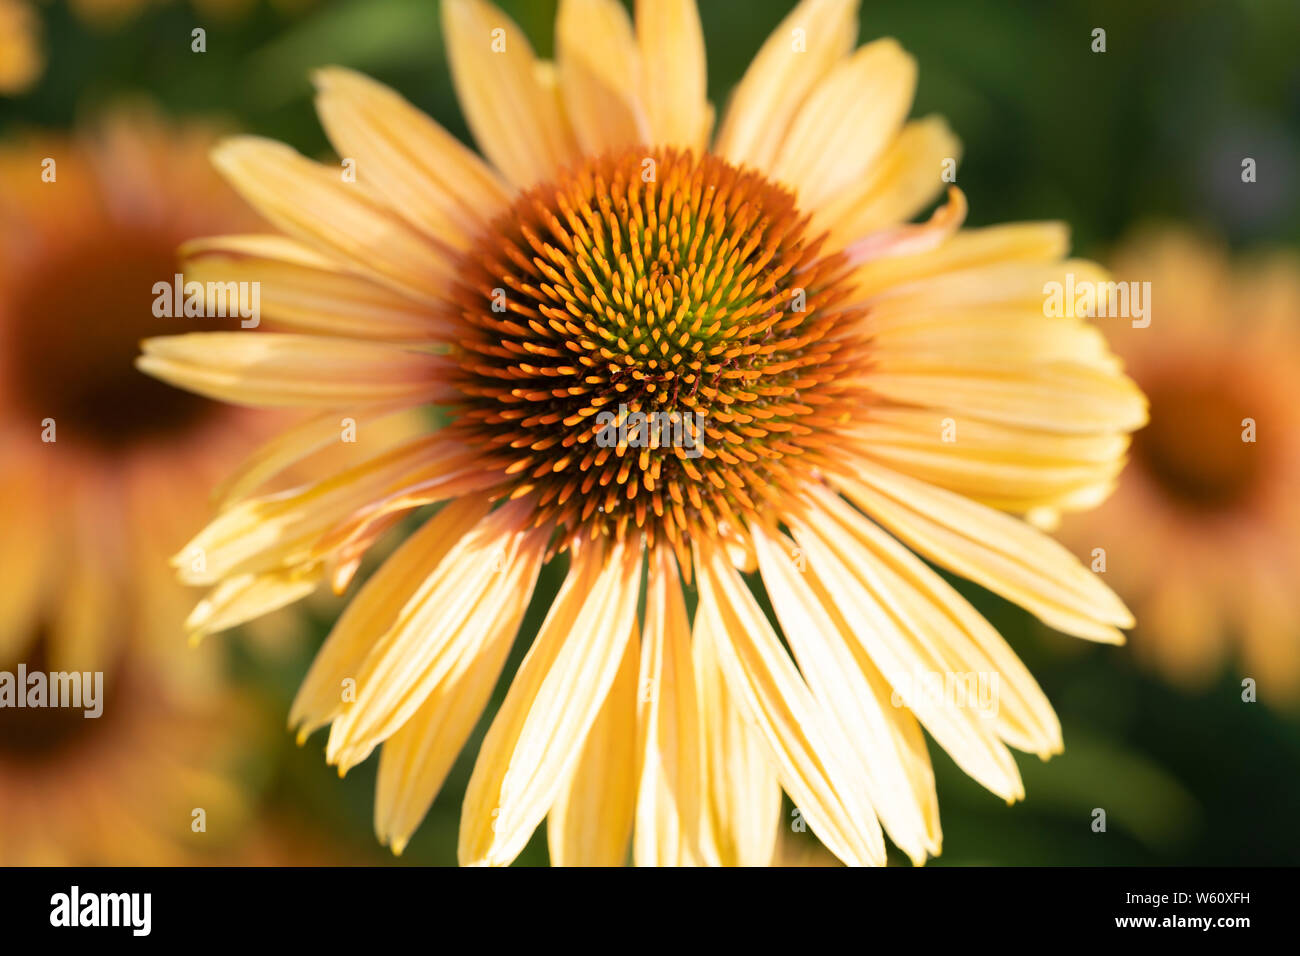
pixel 1203 533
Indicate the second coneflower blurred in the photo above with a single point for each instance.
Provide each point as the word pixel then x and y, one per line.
pixel 1203 533
pixel 148 780
pixel 104 469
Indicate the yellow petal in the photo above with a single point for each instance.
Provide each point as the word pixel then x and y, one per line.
pixel 240 599
pixel 847 122
pixel 598 66
pixel 415 761
pixel 1050 396
pixel 283 370
pixel 301 290
pixel 804 48
pixel 994 338
pixel 1002 466
pixel 741 809
pixel 539 732
pixel 281 530
pixel 959 638
pixel 1044 242
pixel 510 104
pixel 810 755
pixel 674 83
pixel 591 821
pixel 668 727
pixel 886 739
pixel 885 618
pixel 374 609
pixel 995 550
pixel 428 176
pixel 345 220
pixel 911 239
pixel 906 178
pixel 307 437
pixel 477 593
pixel 991 279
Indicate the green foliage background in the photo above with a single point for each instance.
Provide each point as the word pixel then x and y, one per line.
pixel 1154 128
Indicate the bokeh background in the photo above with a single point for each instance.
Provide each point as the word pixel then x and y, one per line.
pixel 1152 130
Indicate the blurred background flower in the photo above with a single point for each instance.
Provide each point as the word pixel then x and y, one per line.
pixel 1203 532
pixel 1155 127
pixel 110 469
pixel 103 474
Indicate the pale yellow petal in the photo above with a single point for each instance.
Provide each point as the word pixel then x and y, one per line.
pixel 1044 242
pixel 427 175
pixel 301 290
pixel 995 338
pixel 509 104
pixel 741 808
pixel 995 550
pixel 374 609
pixel 992 278
pixel 310 436
pixel 1058 396
pixel 283 370
pixel 674 75
pixel 849 119
pixel 598 66
pixel 804 48
pixel 1002 466
pixel 964 644
pixel 345 220
pixel 811 758
pixel 669 734
pixel 415 761
pixel 906 178
pixel 281 530
pixel 539 732
pixel 885 738
pixel 591 821
pixel 475 594
pixel 886 620
pixel 240 599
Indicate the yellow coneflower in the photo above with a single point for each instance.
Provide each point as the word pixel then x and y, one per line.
pixel 21 59
pixel 669 359
pixel 1213 477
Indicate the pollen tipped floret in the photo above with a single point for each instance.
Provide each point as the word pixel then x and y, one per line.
pixel 652 343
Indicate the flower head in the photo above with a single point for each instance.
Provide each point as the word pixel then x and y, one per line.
pixel 670 361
